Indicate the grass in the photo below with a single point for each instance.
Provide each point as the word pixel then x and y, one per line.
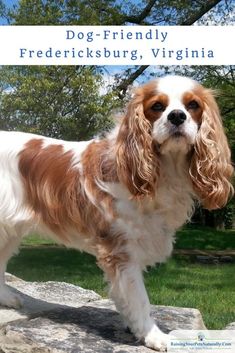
pixel 205 239
pixel 208 288
pixel 58 264
pixel 179 282
pixel 188 238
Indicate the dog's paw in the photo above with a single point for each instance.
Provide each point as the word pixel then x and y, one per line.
pixel 10 299
pixel 156 340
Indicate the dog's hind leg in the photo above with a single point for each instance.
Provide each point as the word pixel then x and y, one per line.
pixel 7 249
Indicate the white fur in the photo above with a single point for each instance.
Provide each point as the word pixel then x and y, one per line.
pixel 174 87
pixel 149 232
pixel 15 218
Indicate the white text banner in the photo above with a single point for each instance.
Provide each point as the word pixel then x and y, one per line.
pixel 117 45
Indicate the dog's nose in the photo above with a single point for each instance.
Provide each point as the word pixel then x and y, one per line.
pixel 176 117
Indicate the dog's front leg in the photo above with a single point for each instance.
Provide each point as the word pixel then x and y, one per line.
pixel 128 291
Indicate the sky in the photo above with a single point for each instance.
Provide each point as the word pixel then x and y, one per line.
pixel 8 3
pixel 229 19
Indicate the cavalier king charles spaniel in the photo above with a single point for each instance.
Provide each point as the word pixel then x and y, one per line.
pixel 122 197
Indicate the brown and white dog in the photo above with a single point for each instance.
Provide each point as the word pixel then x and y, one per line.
pixel 120 198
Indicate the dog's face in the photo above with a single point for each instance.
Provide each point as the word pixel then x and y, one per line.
pixel 175 116
pixel 175 110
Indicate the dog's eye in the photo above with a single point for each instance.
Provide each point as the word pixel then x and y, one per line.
pixel 158 107
pixel 193 105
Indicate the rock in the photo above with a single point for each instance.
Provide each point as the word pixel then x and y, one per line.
pixel 207 259
pixel 52 323
pixel 42 296
pixel 230 326
pixel 53 292
pixel 226 259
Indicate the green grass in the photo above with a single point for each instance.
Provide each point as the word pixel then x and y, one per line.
pixel 205 239
pixel 179 282
pixel 208 288
pixel 187 238
pixel 58 264
pixel 35 240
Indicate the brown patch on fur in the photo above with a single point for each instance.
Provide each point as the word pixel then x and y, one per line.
pixel 111 256
pixel 147 90
pixel 196 114
pixel 137 161
pixel 97 159
pixel 148 95
pixel 150 114
pixel 98 166
pixel 55 192
pixel 59 196
pixel 52 186
pixel 210 168
pixel 137 164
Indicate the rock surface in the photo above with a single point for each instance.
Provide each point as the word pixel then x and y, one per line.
pixel 230 326
pixel 63 318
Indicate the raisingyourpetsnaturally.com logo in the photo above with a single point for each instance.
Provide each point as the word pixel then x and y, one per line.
pixel 203 341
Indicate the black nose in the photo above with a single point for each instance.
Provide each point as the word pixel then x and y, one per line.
pixel 176 117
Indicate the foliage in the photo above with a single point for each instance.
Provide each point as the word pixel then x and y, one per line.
pixel 222 14
pixel 55 101
pixel 59 12
pixel 229 215
pixel 2 9
pixel 111 12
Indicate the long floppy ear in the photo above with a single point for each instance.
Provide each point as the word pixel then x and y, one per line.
pixel 137 164
pixel 211 168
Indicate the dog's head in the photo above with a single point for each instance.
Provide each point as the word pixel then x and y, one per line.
pixel 175 115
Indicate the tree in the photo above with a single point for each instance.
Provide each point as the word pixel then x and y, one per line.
pixel 110 12
pixel 55 101
pixel 2 9
pixel 173 12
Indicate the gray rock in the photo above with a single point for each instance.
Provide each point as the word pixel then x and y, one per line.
pixel 207 259
pixel 42 296
pixel 226 259
pixel 53 292
pixel 89 324
pixel 230 326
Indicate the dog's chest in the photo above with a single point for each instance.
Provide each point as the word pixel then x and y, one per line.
pixel 150 229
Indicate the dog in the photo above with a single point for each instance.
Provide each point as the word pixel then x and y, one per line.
pixel 121 197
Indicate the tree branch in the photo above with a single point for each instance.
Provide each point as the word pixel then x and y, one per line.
pixel 139 18
pixel 122 87
pixel 207 6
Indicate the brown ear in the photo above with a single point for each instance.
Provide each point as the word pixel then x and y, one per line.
pixel 137 164
pixel 211 168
